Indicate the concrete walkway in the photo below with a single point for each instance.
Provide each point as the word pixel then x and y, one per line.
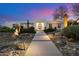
pixel 42 46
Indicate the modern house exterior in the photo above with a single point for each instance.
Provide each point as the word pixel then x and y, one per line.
pixel 39 25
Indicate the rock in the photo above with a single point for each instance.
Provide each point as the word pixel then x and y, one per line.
pixel 58 42
pixel 74 49
pixel 71 40
pixel 17 47
pixel 21 46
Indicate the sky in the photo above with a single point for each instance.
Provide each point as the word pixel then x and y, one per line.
pixel 31 11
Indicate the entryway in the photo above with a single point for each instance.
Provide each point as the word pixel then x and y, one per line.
pixel 39 26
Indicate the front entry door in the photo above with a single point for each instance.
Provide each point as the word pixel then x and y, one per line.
pixel 40 26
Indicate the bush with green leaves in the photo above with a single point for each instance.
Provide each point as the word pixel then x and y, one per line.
pixel 49 30
pixel 71 32
pixel 6 29
pixel 30 30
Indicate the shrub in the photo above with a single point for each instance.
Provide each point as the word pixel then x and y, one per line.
pixel 49 30
pixel 30 30
pixel 6 29
pixel 71 32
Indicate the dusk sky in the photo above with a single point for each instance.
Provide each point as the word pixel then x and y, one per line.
pixel 31 11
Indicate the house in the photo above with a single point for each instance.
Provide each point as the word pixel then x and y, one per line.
pixel 58 24
pixel 43 24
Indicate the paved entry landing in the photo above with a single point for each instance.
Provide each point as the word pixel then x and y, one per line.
pixel 42 46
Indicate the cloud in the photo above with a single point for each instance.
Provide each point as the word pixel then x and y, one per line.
pixel 41 12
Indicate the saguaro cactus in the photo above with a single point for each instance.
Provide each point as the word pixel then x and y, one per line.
pixel 28 24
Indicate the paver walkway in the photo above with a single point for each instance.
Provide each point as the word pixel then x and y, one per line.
pixel 42 46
